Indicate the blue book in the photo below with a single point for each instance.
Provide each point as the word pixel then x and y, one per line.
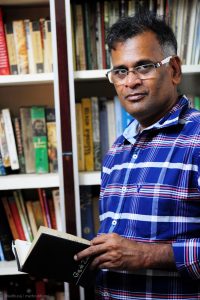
pixel 2 168
pixel 122 117
pixel 2 257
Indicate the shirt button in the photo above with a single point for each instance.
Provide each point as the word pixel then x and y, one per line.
pixel 114 222
pixel 123 189
pixel 135 155
pixel 105 294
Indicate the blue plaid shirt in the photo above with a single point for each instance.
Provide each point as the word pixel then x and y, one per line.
pixel 150 192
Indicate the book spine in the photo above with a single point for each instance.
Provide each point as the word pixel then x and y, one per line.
pixel 10 139
pixel 16 217
pixel 80 142
pixel 2 169
pixel 29 47
pixel 20 44
pixel 46 208
pixel 98 36
pixel 3 144
pixel 37 46
pixel 20 150
pixel 27 139
pixel 56 202
pixel 21 215
pixel 88 134
pixel 2 257
pixel 10 218
pixel 11 48
pixel 103 126
pixel 4 63
pixel 86 212
pixel 31 217
pixel 52 213
pixel 48 56
pixel 111 122
pixel 40 193
pixel 24 212
pixel 52 140
pixel 96 133
pixel 79 38
pixel 40 139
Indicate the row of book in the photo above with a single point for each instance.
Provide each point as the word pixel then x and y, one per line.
pixel 25 46
pixel 195 101
pixel 25 287
pixel 99 121
pixel 23 212
pixel 91 20
pixel 28 143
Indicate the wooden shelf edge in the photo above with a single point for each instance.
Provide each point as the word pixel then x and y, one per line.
pixel 23 2
pixel 90 178
pixel 9 268
pixel 27 79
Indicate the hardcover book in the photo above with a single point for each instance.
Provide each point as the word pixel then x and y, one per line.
pixel 51 256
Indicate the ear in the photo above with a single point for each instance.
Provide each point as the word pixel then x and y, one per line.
pixel 175 63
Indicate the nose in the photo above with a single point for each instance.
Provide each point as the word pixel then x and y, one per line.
pixel 132 79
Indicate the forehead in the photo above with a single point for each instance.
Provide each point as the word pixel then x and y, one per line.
pixel 144 46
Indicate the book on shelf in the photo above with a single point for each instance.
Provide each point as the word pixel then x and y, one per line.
pixel 4 63
pixel 80 141
pixel 52 139
pixel 36 37
pixel 88 134
pixel 51 256
pixel 87 223
pixel 11 48
pixel 20 149
pixel 27 139
pixel 4 145
pixel 20 45
pixel 40 139
pixel 29 46
pixel 57 208
pixel 10 138
pixel 96 133
pixel 48 56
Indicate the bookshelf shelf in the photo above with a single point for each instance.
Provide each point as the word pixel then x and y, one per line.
pixel 28 79
pixel 9 268
pixel 22 2
pixel 89 178
pixel 26 181
pixel 100 74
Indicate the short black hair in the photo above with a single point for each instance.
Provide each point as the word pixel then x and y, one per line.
pixel 128 27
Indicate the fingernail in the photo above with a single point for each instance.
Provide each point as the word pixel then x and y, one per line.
pixel 75 257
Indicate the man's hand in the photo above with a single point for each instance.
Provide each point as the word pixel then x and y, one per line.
pixel 111 251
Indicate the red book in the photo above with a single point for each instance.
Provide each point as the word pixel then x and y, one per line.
pixel 4 62
pixel 16 217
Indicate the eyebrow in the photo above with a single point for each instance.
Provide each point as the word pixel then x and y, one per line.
pixel 138 63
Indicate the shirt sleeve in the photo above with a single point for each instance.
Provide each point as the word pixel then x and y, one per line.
pixel 187 257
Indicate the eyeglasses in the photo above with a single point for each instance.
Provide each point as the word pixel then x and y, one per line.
pixel 119 76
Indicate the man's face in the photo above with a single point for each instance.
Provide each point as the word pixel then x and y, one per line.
pixel 150 99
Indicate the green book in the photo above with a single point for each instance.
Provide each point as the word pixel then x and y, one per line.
pixel 40 139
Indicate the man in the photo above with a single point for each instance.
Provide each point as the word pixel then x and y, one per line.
pixel 148 245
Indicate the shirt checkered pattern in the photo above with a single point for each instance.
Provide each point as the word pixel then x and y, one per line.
pixel 150 192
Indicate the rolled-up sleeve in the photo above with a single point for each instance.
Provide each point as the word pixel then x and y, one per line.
pixel 187 257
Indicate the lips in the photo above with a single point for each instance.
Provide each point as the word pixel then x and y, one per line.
pixel 135 96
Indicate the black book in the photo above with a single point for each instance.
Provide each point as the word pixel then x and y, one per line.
pixel 51 256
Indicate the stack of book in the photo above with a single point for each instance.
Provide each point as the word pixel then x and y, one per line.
pixel 23 212
pixel 25 46
pixel 28 143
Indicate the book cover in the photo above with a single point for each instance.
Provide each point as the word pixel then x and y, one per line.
pixel 27 139
pixel 103 126
pixel 11 48
pixel 43 206
pixel 37 46
pixel 4 63
pixel 20 45
pixel 52 139
pixel 10 138
pixel 110 106
pixel 31 217
pixel 40 139
pixel 2 168
pixel 51 256
pixel 80 142
pixel 88 134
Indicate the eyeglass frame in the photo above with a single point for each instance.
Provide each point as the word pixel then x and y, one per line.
pixel 156 65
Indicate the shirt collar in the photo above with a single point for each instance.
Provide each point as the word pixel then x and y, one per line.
pixel 170 119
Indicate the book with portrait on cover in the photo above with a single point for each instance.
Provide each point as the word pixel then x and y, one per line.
pixel 51 256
